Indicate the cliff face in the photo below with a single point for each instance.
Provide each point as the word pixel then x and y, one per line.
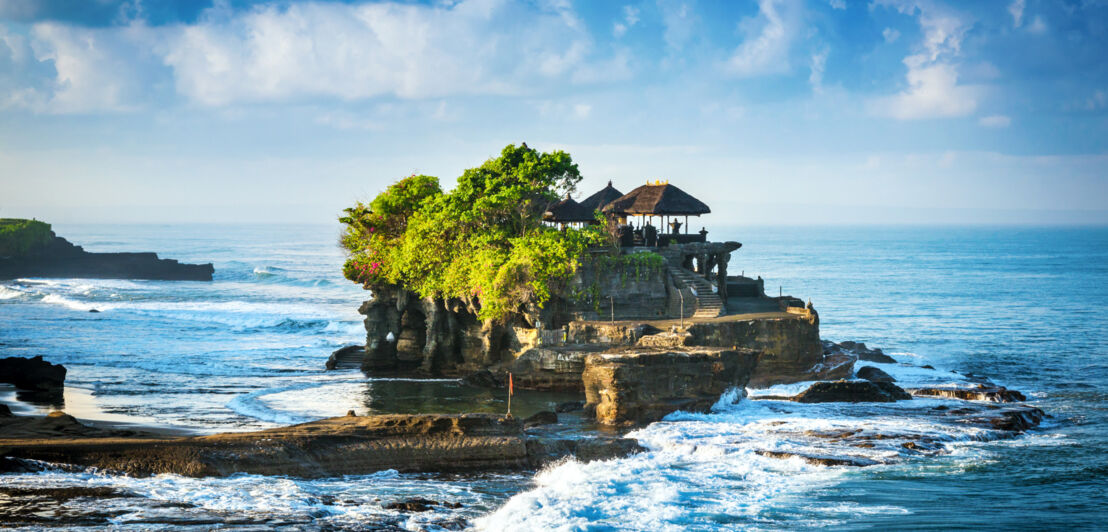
pixel 60 258
pixel 642 385
pixel 790 346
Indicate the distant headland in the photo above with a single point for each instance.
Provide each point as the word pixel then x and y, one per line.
pixel 29 248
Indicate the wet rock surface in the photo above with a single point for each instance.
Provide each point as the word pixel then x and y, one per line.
pixel 860 350
pixel 337 446
pixel 642 385
pixel 419 504
pixel 32 373
pixel 348 357
pixel 852 392
pixel 540 418
pixel 873 374
pixel 997 394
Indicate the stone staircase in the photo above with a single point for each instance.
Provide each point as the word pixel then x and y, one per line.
pixel 708 304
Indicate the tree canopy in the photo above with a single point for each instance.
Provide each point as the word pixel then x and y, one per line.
pixel 483 242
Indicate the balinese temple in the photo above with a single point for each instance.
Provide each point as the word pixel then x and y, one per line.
pixel 659 202
pixel 665 202
pixel 602 198
pixel 568 212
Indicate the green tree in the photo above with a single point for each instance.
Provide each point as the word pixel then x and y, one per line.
pixel 483 242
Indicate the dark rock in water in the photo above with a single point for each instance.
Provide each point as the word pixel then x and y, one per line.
pixel 93 311
pixel 15 465
pixel 852 392
pixel 31 373
pixel 864 353
pixel 484 379
pixel 57 257
pixel 822 460
pixel 542 418
pixel 927 366
pixel 419 504
pixel 996 394
pixel 569 406
pixel 1013 418
pixel 51 507
pixel 5 411
pixel 346 357
pixel 834 366
pixel 873 374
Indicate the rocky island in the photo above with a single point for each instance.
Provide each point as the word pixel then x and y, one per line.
pixel 501 276
pixel 29 248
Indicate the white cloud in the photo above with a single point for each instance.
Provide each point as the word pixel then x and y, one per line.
pixel 1016 10
pixel 1037 26
pixel 582 111
pixel 995 121
pixel 890 35
pixel 630 18
pixel 354 52
pixel 97 69
pixel 932 78
pixel 817 65
pixel 679 22
pixel 316 50
pixel 766 47
pixel 933 92
pixel 837 4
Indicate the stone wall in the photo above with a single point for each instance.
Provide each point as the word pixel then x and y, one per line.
pixel 603 291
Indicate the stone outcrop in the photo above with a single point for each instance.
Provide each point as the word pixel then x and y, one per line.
pixel 789 345
pixel 348 357
pixel 347 445
pixel 32 373
pixel 852 392
pixel 873 374
pixel 640 385
pixel 60 258
pixel 860 350
pixel 996 394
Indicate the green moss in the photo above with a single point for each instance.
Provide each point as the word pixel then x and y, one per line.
pixel 18 237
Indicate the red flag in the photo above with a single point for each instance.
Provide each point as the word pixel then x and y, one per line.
pixel 511 389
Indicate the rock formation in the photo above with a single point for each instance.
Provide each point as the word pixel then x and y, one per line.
pixel 347 445
pixel 57 257
pixel 873 374
pixel 640 385
pixel 997 394
pixel 32 373
pixel 852 392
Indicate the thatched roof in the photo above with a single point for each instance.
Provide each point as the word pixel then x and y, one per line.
pixel 602 198
pixel 565 211
pixel 657 199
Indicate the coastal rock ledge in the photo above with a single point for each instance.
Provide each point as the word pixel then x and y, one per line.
pixel 28 248
pixel 348 445
pixel 640 385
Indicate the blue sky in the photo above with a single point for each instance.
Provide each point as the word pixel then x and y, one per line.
pixel 819 112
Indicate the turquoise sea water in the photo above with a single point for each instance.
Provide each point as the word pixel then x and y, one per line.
pixel 1024 306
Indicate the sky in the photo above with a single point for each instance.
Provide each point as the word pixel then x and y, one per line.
pixel 772 111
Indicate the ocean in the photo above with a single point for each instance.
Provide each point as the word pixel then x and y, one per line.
pixel 1024 306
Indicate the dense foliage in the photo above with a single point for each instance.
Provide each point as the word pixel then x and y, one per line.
pixel 19 237
pixel 483 242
